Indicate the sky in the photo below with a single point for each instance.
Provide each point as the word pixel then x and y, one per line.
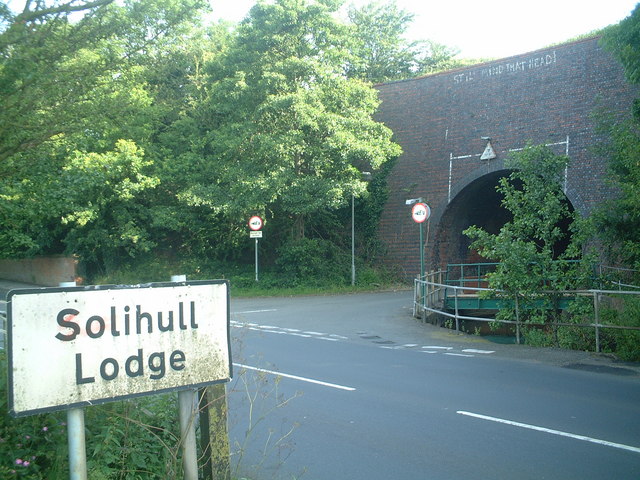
pixel 487 28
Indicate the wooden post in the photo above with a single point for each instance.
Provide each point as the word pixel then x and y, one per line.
pixel 214 439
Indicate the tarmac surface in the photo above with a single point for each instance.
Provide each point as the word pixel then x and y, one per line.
pixel 401 329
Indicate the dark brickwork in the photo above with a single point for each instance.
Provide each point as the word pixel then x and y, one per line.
pixel 546 97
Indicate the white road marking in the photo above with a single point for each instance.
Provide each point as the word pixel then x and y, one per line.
pixel 296 377
pixel 288 331
pixel 295 332
pixel 551 431
pixel 254 311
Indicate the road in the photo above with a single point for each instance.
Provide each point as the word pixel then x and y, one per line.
pixel 369 393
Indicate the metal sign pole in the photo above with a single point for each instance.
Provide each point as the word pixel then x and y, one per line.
pixel 256 259
pixel 422 263
pixel 187 401
pixel 75 434
pixel 255 224
pixel 77 446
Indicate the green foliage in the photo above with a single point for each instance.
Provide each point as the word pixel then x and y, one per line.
pixel 533 250
pixel 106 211
pixel 130 440
pixel 134 440
pixel 624 343
pixel 281 130
pixel 618 220
pixel 31 447
pixel 623 311
pixel 69 92
pixel 623 40
pixel 132 129
pixel 313 261
pixel 381 53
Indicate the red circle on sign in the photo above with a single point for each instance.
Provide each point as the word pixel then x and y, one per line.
pixel 420 212
pixel 255 223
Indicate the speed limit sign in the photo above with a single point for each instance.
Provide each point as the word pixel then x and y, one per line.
pixel 420 212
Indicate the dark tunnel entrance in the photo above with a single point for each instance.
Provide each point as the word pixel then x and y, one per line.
pixel 477 204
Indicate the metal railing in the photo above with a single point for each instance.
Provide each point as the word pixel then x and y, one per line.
pixel 436 293
pixel 618 277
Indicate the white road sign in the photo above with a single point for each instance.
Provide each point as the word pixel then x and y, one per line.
pixel 83 345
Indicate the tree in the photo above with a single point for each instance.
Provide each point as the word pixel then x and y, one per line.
pixel 619 219
pixel 71 89
pixel 382 53
pixel 534 251
pixel 282 131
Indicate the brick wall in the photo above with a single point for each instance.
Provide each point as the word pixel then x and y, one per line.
pixel 547 96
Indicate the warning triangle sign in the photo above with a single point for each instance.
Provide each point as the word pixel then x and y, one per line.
pixel 488 153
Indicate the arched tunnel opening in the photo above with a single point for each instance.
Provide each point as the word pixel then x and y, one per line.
pixel 478 204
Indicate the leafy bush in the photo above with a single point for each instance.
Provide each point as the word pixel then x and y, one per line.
pixel 129 440
pixel 623 311
pixel 624 343
pixel 32 447
pixel 313 261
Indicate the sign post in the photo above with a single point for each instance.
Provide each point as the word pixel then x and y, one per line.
pixel 75 434
pixel 255 224
pixel 420 212
pixel 70 347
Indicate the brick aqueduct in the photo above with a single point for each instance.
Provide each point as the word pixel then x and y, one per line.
pixel 443 123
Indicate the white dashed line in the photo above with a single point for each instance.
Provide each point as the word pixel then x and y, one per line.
pixel 332 337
